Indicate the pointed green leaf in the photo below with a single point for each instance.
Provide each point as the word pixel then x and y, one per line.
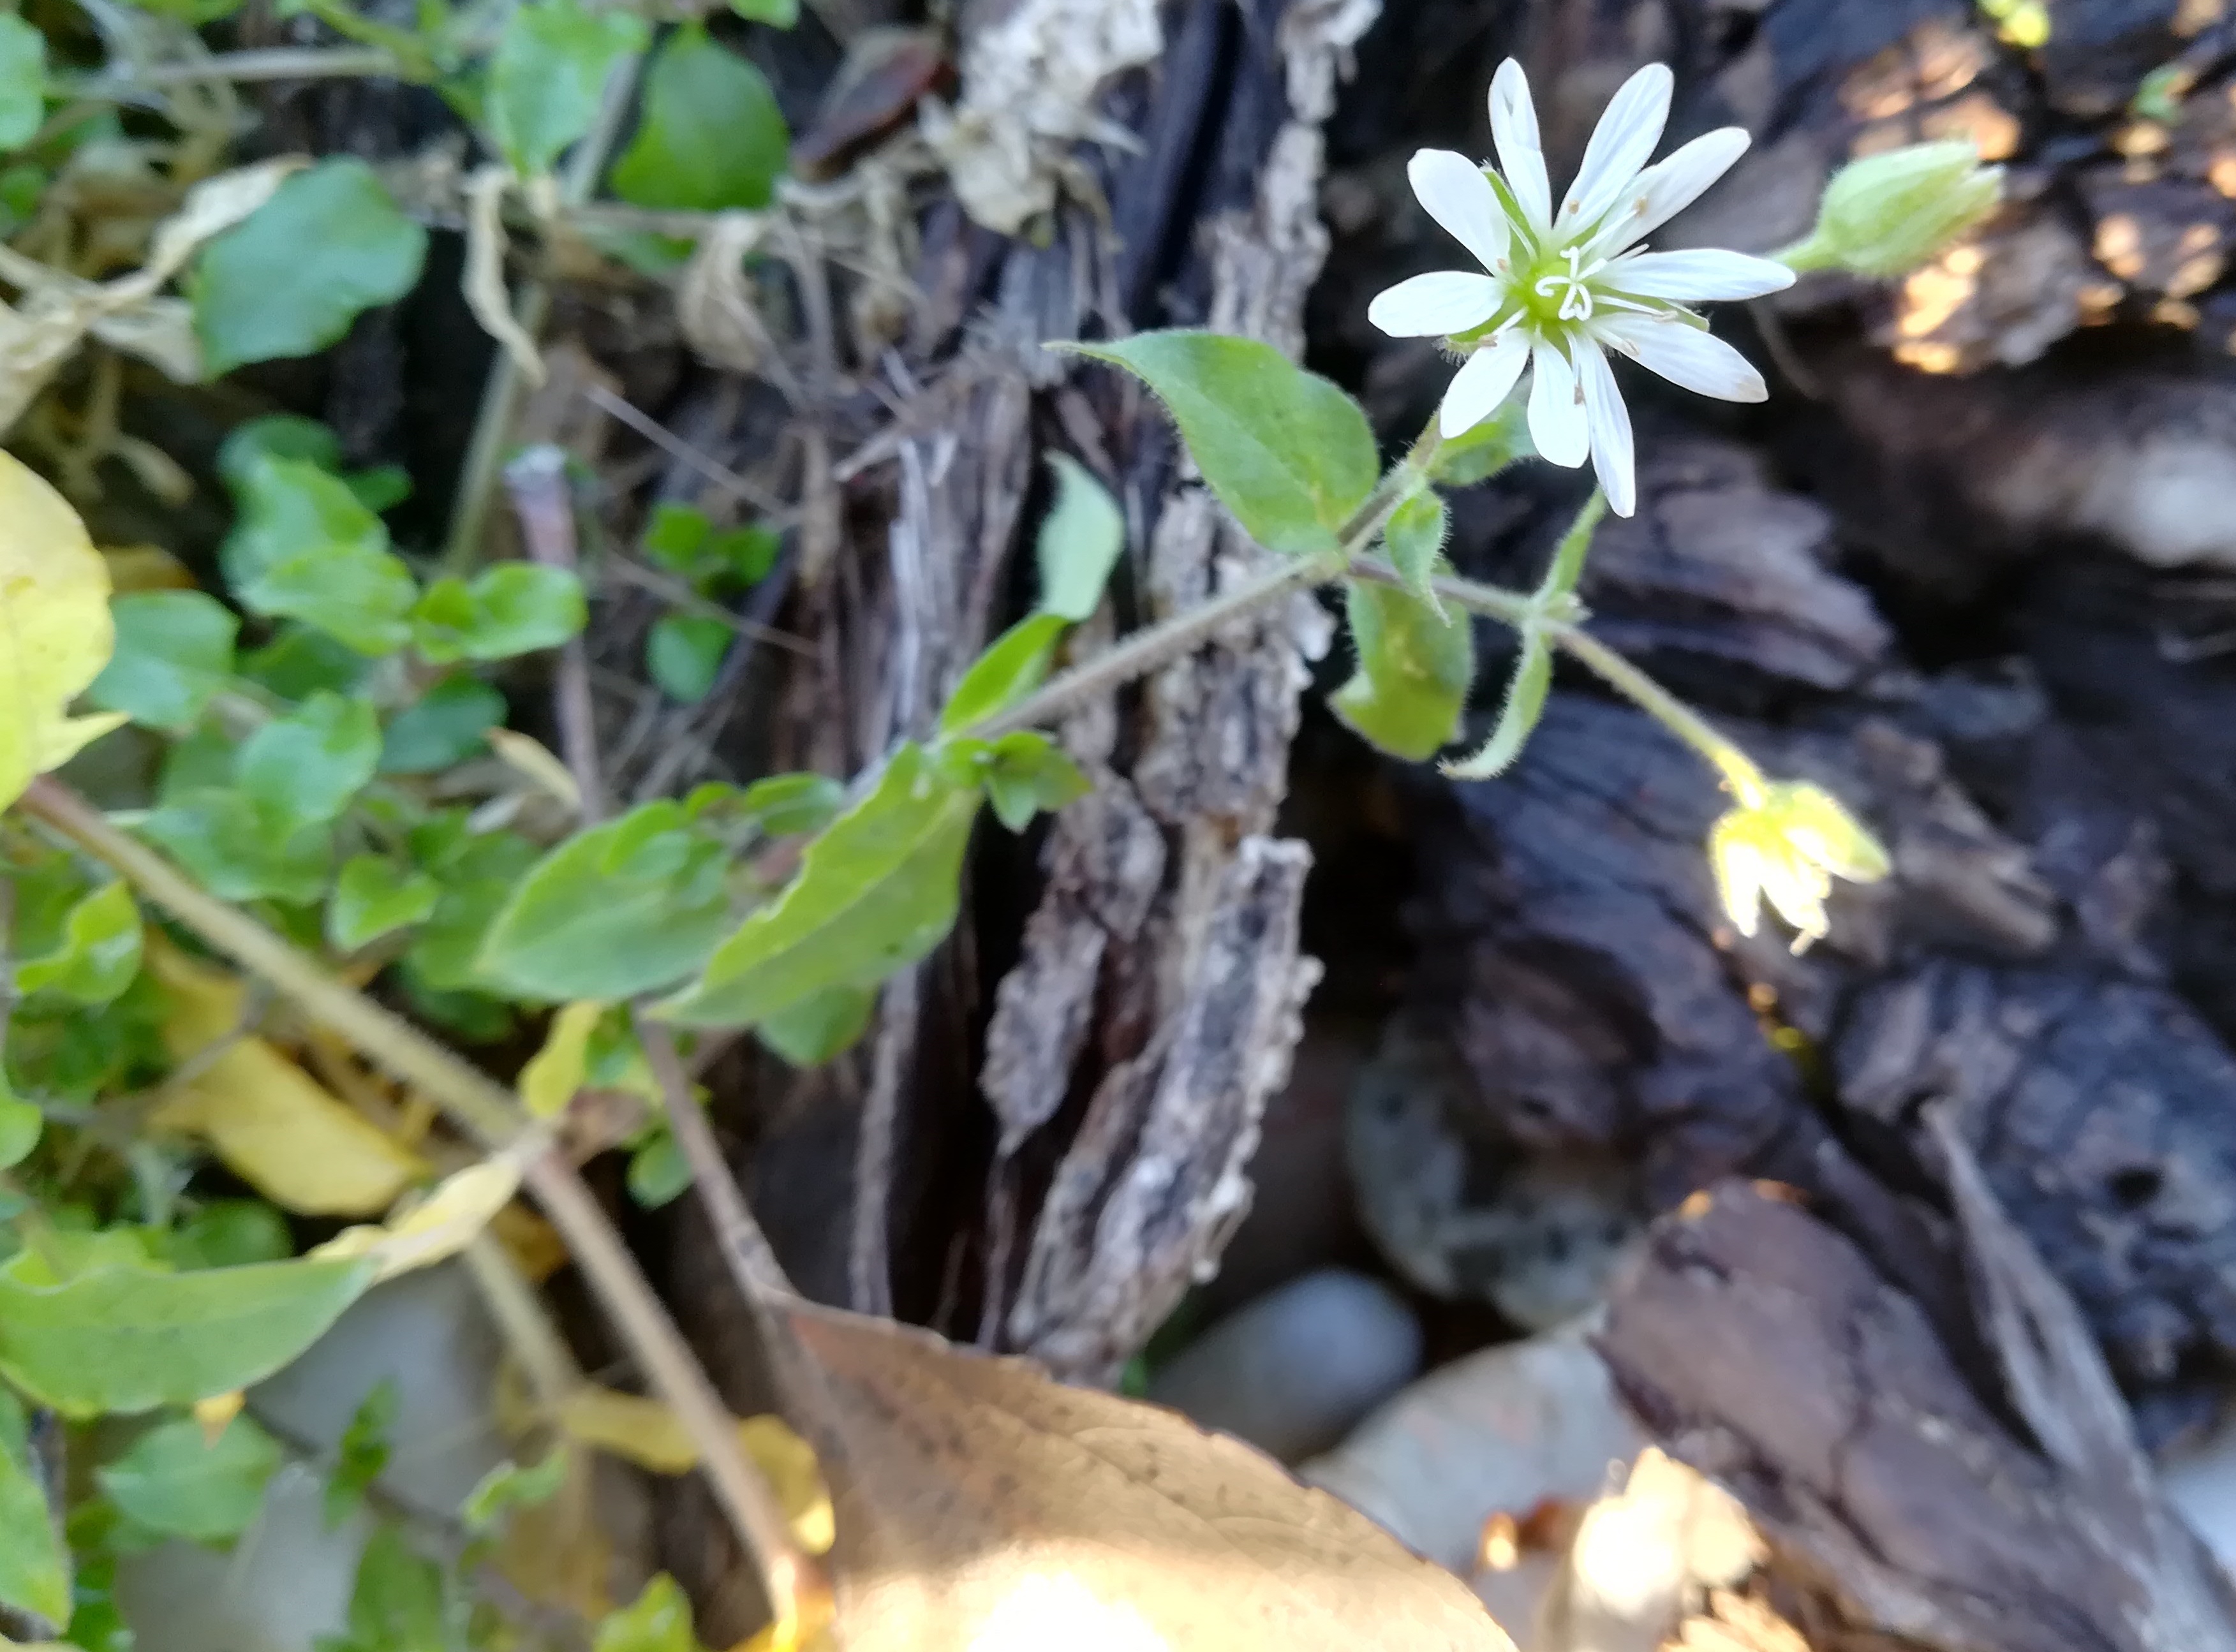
pixel 548 77
pixel 816 1030
pixel 1014 665
pixel 1079 541
pixel 173 651
pixel 878 890
pixel 1415 668
pixel 1289 453
pixel 290 278
pixel 513 608
pixel 35 1566
pixel 99 952
pixel 175 1481
pixel 1518 718
pixel 127 1339
pixel 711 136
pixel 623 909
pixel 1568 564
pixel 305 767
pixel 363 1452
pixel 374 896
pixel 1415 538
pixel 23 81
pixel 1025 773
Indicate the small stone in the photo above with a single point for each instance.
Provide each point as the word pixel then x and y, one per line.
pixel 1294 1370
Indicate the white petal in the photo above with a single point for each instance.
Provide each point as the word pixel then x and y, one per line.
pixel 1685 355
pixel 1521 152
pixel 1621 145
pixel 1614 456
pixel 1457 195
pixel 1558 423
pixel 1430 305
pixel 1668 187
pixel 1694 278
pixel 1483 381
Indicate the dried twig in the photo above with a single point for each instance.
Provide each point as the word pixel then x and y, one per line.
pixel 538 482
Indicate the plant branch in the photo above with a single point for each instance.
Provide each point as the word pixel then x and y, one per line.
pixel 279 63
pixel 487 1110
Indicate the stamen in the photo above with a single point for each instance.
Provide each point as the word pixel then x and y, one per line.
pixel 1576 297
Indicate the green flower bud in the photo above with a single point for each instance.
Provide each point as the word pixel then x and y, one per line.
pixel 1887 214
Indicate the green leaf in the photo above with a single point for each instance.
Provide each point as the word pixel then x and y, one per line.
pixel 230 1233
pixel 21 1126
pixel 362 1452
pixel 623 909
pixel 289 506
pixel 290 278
pixel 375 896
pixel 241 852
pixel 174 1482
pixel 23 81
pixel 361 598
pixel 744 556
pixel 711 136
pixel 173 651
pixel 1014 665
pixel 99 952
pixel 1415 538
pixel 658 1172
pixel 512 1485
pixel 1079 541
pixel 1024 772
pixel 126 1338
pixel 812 1032
pixel 1287 452
pixel 1486 448
pixel 1568 564
pixel 684 654
pixel 878 890
pixel 196 13
pixel 447 726
pixel 305 767
pixel 659 1621
pixel 513 608
pixel 397 1602
pixel 676 536
pixel 478 872
pixel 787 805
pixel 34 1565
pixel 548 76
pixel 777 14
pixel 306 549
pixel 300 660
pixel 1517 719
pixel 276 435
pixel 1414 667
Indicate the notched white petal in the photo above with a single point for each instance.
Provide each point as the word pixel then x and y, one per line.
pixel 1686 356
pixel 1614 452
pixel 1558 423
pixel 1429 307
pixel 1621 145
pixel 1483 382
pixel 1697 277
pixel 1455 193
pixel 1668 187
pixel 1520 151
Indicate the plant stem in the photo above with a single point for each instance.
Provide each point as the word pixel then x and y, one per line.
pixel 487 1110
pixel 280 63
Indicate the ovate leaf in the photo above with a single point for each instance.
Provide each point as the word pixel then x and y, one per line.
pixel 35 1566
pixel 683 653
pixel 173 651
pixel 127 1339
pixel 55 633
pixel 1487 448
pixel 21 1126
pixel 1289 454
pixel 445 728
pixel 623 909
pixel 1518 718
pixel 175 1481
pixel 1014 665
pixel 1079 541
pixel 658 1171
pixel 289 280
pixel 1414 667
pixel 1415 538
pixel 1025 773
pixel 306 549
pixel 513 608
pixel 787 805
pixel 23 81
pixel 711 136
pixel 374 896
pixel 548 76
pixel 305 767
pixel 878 890
pixel 99 952
pixel 242 852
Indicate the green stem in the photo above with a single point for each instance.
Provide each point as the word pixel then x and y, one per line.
pixel 278 63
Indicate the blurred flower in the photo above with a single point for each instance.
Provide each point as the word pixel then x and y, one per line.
pixel 1786 842
pixel 1888 214
pixel 1561 290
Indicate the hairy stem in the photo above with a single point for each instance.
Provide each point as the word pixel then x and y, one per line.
pixel 487 1110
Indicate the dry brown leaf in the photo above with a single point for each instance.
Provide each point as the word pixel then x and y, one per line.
pixel 983 1506
pixel 275 1126
pixel 483 282
pixel 714 303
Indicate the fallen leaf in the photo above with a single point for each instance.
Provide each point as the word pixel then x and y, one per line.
pixel 54 629
pixel 436 1228
pixel 647 1434
pixel 274 1126
pixel 982 1507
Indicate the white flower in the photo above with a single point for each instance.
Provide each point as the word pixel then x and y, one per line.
pixel 1563 289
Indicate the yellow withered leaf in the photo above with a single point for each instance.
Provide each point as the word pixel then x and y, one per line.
pixel 647 1434
pixel 54 629
pixel 274 1126
pixel 216 1414
pixel 437 1227
pixel 554 1072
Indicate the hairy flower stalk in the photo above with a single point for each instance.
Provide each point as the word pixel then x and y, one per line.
pixel 1561 290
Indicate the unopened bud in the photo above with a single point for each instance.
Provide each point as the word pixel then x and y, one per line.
pixel 1888 214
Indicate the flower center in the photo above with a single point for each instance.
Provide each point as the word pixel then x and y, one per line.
pixel 1570 285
